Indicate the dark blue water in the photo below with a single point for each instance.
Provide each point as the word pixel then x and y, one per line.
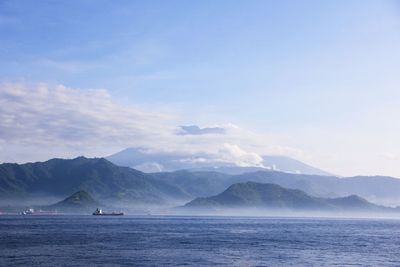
pixel 196 241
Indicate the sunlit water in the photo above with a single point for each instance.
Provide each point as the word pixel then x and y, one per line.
pixel 196 241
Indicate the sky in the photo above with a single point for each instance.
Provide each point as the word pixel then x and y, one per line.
pixel 313 80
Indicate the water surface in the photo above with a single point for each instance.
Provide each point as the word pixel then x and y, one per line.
pixel 197 241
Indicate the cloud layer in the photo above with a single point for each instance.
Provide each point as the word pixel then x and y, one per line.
pixel 44 116
pixel 196 130
pixel 39 121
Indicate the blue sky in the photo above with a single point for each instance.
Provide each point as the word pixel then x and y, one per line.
pixel 320 77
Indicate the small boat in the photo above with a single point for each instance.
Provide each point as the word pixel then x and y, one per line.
pixel 99 212
pixel 38 212
pixel 28 212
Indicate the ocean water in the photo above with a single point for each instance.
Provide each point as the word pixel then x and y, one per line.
pixel 197 241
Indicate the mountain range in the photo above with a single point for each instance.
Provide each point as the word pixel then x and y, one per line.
pixel 124 186
pixel 99 177
pixel 377 189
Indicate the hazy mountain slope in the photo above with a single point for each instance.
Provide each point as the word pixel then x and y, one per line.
pixel 286 164
pixel 99 177
pixel 150 161
pixel 195 184
pixel 312 184
pixel 271 196
pixel 202 184
pixel 232 170
pixel 379 189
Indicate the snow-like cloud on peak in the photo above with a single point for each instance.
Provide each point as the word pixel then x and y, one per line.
pixel 229 154
pixel 238 156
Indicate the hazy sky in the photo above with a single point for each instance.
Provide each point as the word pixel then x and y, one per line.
pixel 314 80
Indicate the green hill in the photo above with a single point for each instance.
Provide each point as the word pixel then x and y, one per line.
pixel 272 196
pixel 79 201
pixel 377 189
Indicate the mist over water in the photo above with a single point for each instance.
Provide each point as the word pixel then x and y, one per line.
pixel 281 213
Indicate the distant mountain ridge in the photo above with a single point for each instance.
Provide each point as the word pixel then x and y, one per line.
pixel 59 178
pixel 272 196
pixel 377 189
pixel 150 161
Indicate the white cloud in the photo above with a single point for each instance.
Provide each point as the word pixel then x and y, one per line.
pixel 196 130
pixel 225 153
pixel 58 116
pixel 39 121
pixel 223 129
pixel 233 153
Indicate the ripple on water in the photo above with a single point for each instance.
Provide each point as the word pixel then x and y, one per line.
pixel 197 241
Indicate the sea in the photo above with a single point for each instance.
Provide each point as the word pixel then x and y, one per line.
pixel 197 241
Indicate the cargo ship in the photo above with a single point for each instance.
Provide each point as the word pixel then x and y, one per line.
pixel 99 212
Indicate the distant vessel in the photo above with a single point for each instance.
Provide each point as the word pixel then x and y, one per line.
pixel 99 212
pixel 38 212
pixel 28 212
